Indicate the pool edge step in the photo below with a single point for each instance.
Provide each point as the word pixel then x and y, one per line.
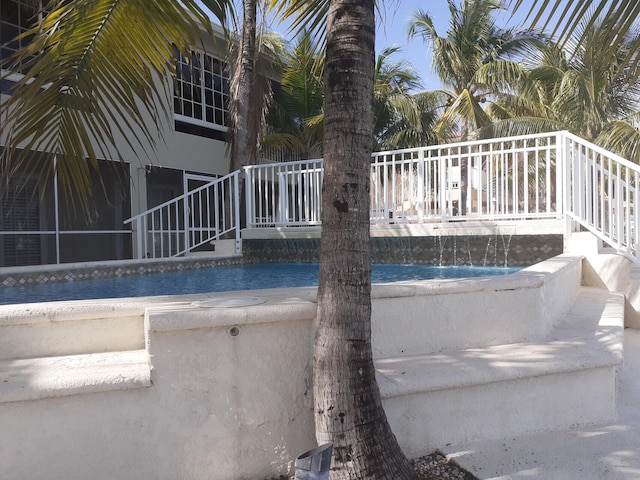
pixel 40 378
pixel 508 390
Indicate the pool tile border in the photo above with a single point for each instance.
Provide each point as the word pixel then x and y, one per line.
pixel 45 274
pixel 494 250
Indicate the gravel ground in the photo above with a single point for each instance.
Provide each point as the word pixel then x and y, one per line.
pixel 434 466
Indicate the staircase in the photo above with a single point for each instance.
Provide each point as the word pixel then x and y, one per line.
pixel 199 217
pixel 88 348
pixel 507 372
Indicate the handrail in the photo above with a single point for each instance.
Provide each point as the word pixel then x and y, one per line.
pixel 546 176
pixel 487 179
pixel 603 194
pixel 177 226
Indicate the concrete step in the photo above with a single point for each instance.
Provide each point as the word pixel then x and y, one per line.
pixel 70 328
pixel 508 390
pixel 216 248
pixel 39 378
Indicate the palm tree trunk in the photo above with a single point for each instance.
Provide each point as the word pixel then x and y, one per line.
pixel 243 134
pixel 348 406
pixel 244 138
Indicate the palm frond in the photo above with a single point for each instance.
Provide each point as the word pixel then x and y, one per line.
pixel 97 83
pixel 623 138
pixel 500 76
pixel 566 18
pixel 466 111
pixel 521 125
pixel 309 16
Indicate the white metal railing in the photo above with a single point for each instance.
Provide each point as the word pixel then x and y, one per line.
pixel 601 194
pixel 499 178
pixel 206 213
pixel 284 194
pixel 490 179
pixel 549 175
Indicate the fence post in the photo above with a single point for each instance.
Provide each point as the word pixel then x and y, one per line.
pixel 185 217
pixel 563 179
pixel 248 196
pixel 236 200
pixel 420 189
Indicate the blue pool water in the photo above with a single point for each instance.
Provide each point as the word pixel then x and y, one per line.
pixel 223 279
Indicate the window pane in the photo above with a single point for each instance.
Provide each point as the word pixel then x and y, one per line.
pixel 203 88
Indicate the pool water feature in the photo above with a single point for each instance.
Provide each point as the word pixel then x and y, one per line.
pixel 225 278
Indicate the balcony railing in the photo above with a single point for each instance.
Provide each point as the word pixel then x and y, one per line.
pixel 546 176
pixel 492 179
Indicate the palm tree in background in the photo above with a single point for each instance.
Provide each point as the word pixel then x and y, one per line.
pixel 295 116
pixel 417 121
pixel 475 59
pixel 244 114
pixel 575 88
pixel 401 119
pixel 404 119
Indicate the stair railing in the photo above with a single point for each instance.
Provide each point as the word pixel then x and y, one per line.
pixel 602 194
pixel 199 216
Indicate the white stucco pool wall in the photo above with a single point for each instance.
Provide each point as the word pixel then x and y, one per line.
pixel 203 403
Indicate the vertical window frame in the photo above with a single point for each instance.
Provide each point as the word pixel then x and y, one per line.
pixel 201 90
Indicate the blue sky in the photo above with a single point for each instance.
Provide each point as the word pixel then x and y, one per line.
pixel 393 27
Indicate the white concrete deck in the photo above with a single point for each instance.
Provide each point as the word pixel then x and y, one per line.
pixel 604 452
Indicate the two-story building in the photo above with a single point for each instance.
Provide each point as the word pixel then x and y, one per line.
pixel 38 224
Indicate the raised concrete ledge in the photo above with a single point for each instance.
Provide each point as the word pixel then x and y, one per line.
pixel 416 288
pixel 437 227
pixel 49 312
pixel 273 309
pixel 66 272
pixel 530 277
pixel 503 391
pixel 442 371
pixel 39 378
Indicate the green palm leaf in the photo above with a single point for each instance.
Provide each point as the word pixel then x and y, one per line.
pixel 565 18
pixel 97 83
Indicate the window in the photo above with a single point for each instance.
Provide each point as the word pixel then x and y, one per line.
pixel 21 212
pixel 16 17
pixel 201 91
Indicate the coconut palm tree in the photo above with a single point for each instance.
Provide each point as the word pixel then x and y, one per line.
pixel 416 121
pixel 401 119
pixel 393 84
pixel 295 116
pixel 404 119
pixel 244 116
pixel 574 88
pixel 475 59
pixel 347 403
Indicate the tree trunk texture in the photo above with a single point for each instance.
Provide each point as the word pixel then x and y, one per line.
pixel 244 138
pixel 347 402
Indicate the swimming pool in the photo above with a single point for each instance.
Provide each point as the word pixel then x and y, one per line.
pixel 224 279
